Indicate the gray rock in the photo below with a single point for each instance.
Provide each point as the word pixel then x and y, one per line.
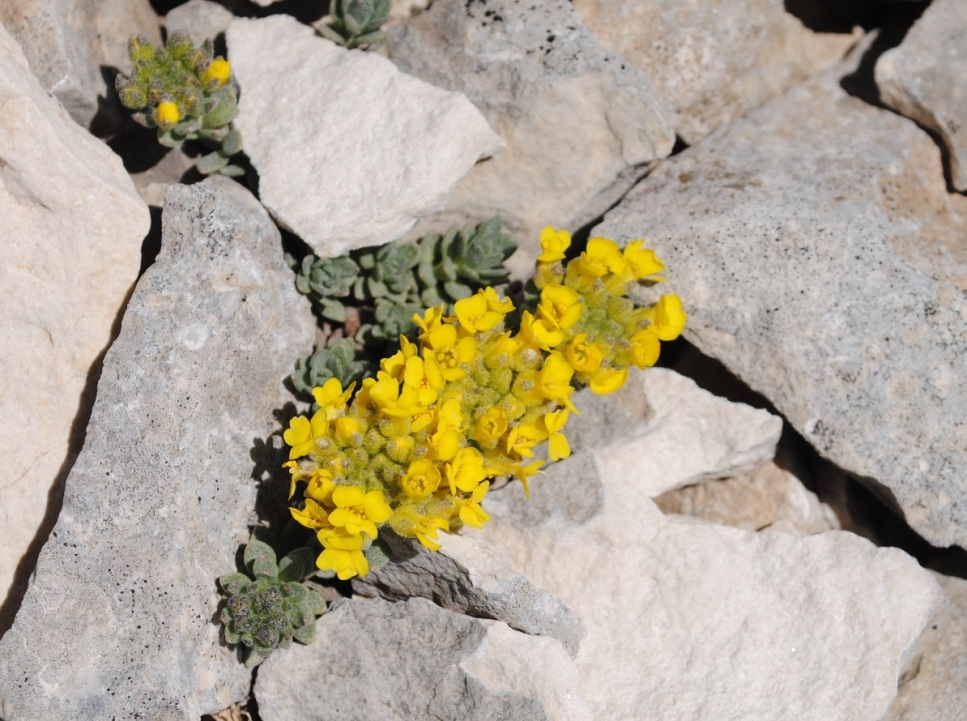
pixel 384 661
pixel 712 62
pixel 70 253
pixel 470 576
pixel 923 78
pixel 199 18
pixel 118 621
pixel 826 268
pixel 73 44
pixel 933 684
pixel 349 151
pixel 580 124
pixel 696 621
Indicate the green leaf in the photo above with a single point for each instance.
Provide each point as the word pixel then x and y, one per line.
pixel 295 565
pixel 232 171
pixel 232 142
pixel 232 583
pixel 260 559
pixel 211 163
pixel 305 634
pixel 333 310
pixel 222 113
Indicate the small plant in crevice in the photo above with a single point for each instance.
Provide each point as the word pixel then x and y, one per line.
pixel 356 23
pixel 269 606
pixel 368 297
pixel 187 93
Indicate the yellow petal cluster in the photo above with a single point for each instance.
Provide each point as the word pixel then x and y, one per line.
pixel 471 399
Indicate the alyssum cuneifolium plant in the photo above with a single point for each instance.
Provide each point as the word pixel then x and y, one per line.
pixel 266 611
pixel 356 22
pixel 187 94
pixel 382 288
pixel 416 447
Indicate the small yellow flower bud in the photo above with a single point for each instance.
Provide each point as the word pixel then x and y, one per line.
pixel 218 71
pixel 167 114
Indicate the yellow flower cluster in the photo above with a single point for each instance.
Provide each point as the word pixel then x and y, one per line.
pixel 417 446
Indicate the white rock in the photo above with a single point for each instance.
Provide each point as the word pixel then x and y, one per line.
pixel 702 622
pixel 581 125
pixel 712 62
pixel 350 151
pixel 72 231
pixel 821 259
pixel 68 41
pixel 923 78
pixel 201 19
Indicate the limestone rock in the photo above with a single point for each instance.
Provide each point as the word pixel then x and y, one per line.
pixel 766 497
pixel 712 62
pixel 161 495
pixel 923 79
pixel 72 231
pixel 580 124
pixel 822 266
pixel 199 18
pixel 715 622
pixel 470 576
pixel 349 151
pixel 384 661
pixel 933 685
pixel 72 45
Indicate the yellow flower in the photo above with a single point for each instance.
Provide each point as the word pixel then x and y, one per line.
pixel 444 444
pixel 496 303
pixel 668 317
pixel 537 333
pixel 218 71
pixel 645 347
pixel 432 319
pixel 449 415
pixel 470 511
pixel 560 306
pixel 167 114
pixel 524 472
pixel 608 380
pixel 425 529
pixel 422 479
pixel 393 366
pixel 555 378
pixel 553 245
pixel 347 430
pixel 490 426
pixel 296 475
pixel 465 471
pixel 320 485
pixel 475 315
pixel 584 357
pixel 441 345
pixel 522 438
pixel 391 401
pixel 313 516
pixel 641 261
pixel 342 553
pixel 302 433
pixel 425 377
pixel 557 445
pixel 602 256
pixel 357 511
pixel 332 398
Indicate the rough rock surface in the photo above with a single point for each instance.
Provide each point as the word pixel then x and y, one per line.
pixel 923 78
pixel 160 497
pixel 73 45
pixel 766 497
pixel 470 576
pixel 70 252
pixel 384 661
pixel 349 151
pixel 580 125
pixel 823 266
pixel 712 62
pixel 715 622
pixel 199 18
pixel 933 685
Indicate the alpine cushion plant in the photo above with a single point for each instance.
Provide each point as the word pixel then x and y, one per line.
pixel 417 447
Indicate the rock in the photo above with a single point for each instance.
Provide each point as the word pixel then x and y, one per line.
pixel 923 79
pixel 580 124
pixel 72 231
pixel 933 685
pixel 379 661
pixel 703 622
pixel 822 266
pixel 201 19
pixel 711 63
pixel 766 497
pixel 164 489
pixel 470 576
pixel 349 151
pixel 74 46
